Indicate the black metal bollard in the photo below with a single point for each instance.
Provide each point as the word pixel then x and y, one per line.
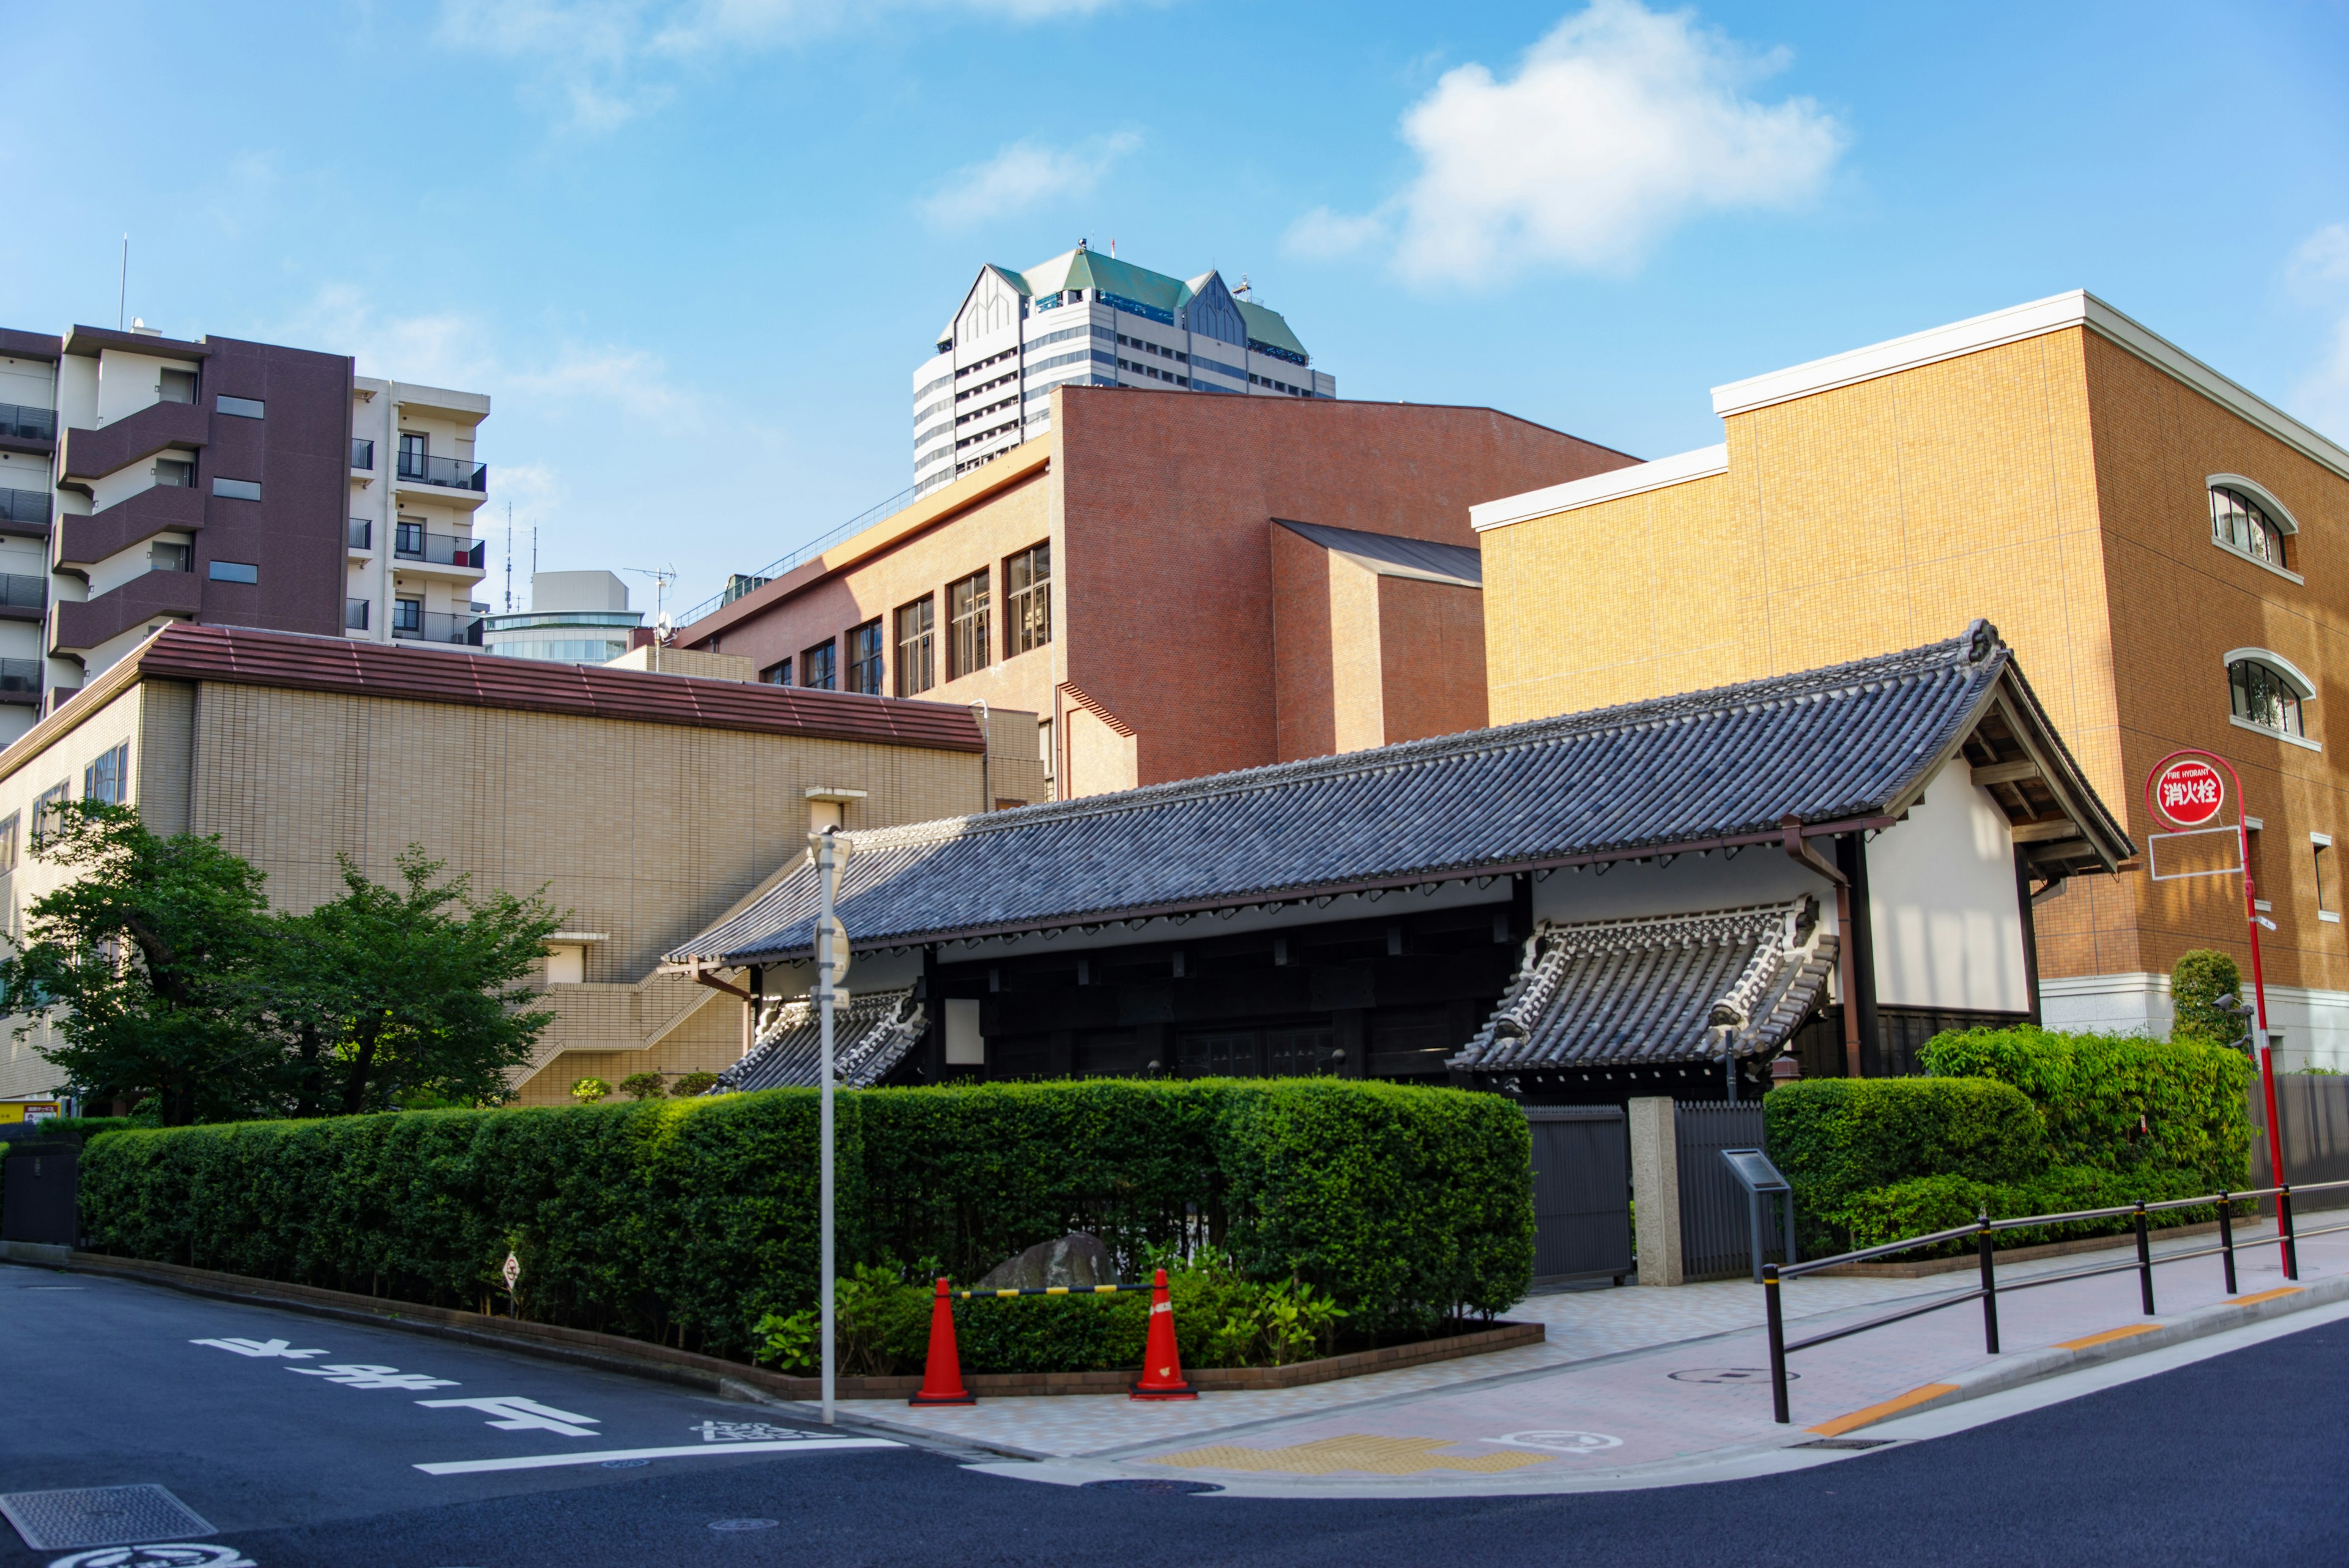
pixel 1777 1343
pixel 2283 1221
pixel 2144 1260
pixel 2226 1239
pixel 1989 1286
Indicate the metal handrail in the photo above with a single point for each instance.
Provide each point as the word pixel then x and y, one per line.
pixel 878 513
pixel 2287 1237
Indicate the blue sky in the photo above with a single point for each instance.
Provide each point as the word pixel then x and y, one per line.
pixel 694 248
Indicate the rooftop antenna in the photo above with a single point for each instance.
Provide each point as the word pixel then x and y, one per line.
pixel 509 558
pixel 1112 250
pixel 663 631
pixel 123 292
pixel 1241 292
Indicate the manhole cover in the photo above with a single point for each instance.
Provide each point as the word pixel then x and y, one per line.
pixel 1163 1487
pixel 1847 1443
pixel 744 1523
pixel 1728 1374
pixel 100 1516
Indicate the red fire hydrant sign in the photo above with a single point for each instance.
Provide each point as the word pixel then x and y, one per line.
pixel 2189 792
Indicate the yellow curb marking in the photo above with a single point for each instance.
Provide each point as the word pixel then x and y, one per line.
pixel 2110 1335
pixel 1892 1406
pixel 2265 1295
pixel 1378 1455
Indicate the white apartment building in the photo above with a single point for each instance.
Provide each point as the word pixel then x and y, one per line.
pixel 1087 320
pixel 146 479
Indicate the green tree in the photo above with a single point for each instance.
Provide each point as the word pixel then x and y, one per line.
pixel 587 1091
pixel 646 1085
pixel 2197 983
pixel 416 986
pixel 147 962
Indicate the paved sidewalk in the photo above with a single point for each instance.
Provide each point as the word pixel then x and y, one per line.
pixel 1628 1377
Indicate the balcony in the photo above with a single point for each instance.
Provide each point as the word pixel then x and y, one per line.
pixel 412 544
pixel 431 625
pixel 450 473
pixel 25 428
pixel 20 681
pixel 362 455
pixel 362 534
pixel 23 596
pixel 77 628
pixel 84 539
pixel 25 512
pixel 95 453
pixel 354 615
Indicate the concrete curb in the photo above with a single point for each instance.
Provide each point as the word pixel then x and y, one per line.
pixel 2033 1365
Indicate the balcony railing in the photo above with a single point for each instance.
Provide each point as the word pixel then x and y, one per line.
pixel 362 454
pixel 29 506
pixel 362 534
pixel 18 591
pixel 413 544
pixel 354 615
pixel 431 625
pixel 28 423
pixel 20 676
pixel 456 472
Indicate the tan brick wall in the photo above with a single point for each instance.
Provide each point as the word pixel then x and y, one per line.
pixel 2054 485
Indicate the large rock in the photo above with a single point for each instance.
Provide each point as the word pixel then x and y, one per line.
pixel 1077 1260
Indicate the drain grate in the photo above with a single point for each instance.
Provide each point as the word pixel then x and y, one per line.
pixel 1152 1484
pixel 1846 1443
pixel 100 1516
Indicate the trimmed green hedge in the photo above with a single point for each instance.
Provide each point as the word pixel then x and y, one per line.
pixel 1839 1139
pixel 688 1220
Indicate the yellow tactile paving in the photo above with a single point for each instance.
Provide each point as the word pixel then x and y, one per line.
pixel 1375 1455
pixel 2090 1341
pixel 2265 1296
pixel 1875 1412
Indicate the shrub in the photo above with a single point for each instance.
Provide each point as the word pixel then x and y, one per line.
pixel 2198 981
pixel 644 1087
pixel 587 1091
pixel 2118 1103
pixel 695 1220
pixel 1924 1204
pixel 1838 1138
pixel 691 1084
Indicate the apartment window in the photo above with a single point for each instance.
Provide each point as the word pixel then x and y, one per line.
pixel 2328 897
pixel 1028 594
pixel 167 557
pixel 8 842
pixel 235 571
pixel 968 648
pixel 407 537
pixel 408 615
pixel 175 472
pixel 777 674
pixel 354 615
pixel 237 489
pixel 917 652
pixel 44 804
pixel 176 387
pixel 2265 696
pixel 864 659
pixel 108 777
pixel 411 454
pixel 243 407
pixel 818 667
pixel 2242 524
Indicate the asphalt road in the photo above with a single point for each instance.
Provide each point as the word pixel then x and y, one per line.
pixel 300 1439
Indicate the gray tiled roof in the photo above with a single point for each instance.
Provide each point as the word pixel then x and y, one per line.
pixel 1855 742
pixel 1657 991
pixel 869 1036
pixel 1392 554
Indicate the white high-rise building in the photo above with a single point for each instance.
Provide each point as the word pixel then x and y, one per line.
pixel 1088 319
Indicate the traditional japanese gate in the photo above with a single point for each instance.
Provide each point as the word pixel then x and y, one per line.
pixel 1582 1192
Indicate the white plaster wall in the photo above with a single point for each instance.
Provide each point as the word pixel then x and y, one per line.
pixel 78 391
pixel 30 383
pixel 113 489
pixel 1762 873
pixel 2307 1028
pixel 123 565
pixel 1942 900
pixel 129 382
pixel 23 470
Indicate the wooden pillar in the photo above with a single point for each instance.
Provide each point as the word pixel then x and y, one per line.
pixel 2030 931
pixel 1863 1036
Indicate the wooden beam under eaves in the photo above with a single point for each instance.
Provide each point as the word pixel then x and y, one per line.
pixel 2006 772
pixel 2041 832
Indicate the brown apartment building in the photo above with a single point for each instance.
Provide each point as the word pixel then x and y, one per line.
pixel 2166 553
pixel 1175 585
pixel 645 805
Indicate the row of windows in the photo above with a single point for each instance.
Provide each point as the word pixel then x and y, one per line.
pixel 970 637
pixel 1154 372
pixel 1175 354
pixel 107 779
pixel 1279 385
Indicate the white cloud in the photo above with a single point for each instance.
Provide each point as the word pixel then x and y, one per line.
pixel 1021 176
pixel 1322 233
pixel 2319 274
pixel 1619 125
pixel 583 59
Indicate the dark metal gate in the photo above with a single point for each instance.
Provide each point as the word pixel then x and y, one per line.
pixel 1716 1227
pixel 41 1189
pixel 1582 1192
pixel 2314 1112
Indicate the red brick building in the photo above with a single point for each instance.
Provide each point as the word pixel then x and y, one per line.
pixel 1177 585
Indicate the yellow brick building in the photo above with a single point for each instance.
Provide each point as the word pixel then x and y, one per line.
pixel 2153 541
pixel 645 805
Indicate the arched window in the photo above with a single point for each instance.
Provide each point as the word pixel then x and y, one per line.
pixel 2267 693
pixel 2242 523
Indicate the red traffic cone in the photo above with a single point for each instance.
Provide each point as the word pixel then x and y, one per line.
pixel 1161 1364
pixel 941 1377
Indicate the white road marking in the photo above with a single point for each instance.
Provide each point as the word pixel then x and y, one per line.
pixel 544 1461
pixel 260 1347
pixel 518 1414
pixel 374 1377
